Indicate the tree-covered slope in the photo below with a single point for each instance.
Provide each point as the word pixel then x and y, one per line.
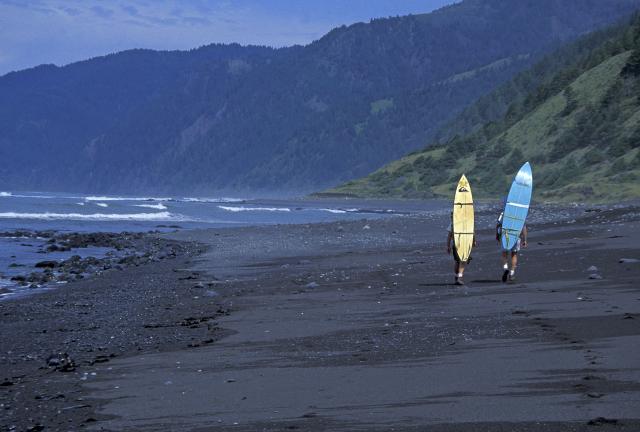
pixel 580 129
pixel 231 118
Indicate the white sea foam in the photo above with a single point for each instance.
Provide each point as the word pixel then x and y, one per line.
pixel 102 205
pixel 108 198
pixel 213 200
pixel 243 208
pixel 158 206
pixel 159 216
pixel 46 196
pixel 336 211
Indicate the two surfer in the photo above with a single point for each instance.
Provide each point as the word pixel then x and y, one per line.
pixel 511 229
pixel 508 256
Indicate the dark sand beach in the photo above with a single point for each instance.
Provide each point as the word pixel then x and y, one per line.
pixel 341 326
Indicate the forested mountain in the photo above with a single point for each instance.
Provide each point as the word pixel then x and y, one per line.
pixel 579 125
pixel 231 118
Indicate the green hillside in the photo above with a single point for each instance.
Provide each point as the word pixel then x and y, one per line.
pixel 580 129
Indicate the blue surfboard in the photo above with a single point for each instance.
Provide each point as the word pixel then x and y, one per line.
pixel 517 207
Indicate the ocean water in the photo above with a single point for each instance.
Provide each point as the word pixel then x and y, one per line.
pixel 92 213
pixel 37 211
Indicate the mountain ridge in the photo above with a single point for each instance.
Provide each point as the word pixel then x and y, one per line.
pixel 256 119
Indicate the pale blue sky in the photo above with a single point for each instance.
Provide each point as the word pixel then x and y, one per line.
pixel 33 32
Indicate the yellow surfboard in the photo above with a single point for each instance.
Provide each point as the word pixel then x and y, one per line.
pixel 463 219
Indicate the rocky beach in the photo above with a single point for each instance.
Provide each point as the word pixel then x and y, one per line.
pixel 351 325
pixel 116 252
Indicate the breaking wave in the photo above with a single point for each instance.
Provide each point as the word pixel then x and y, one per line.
pixel 10 194
pixel 336 211
pixel 243 208
pixel 354 210
pixel 213 200
pixel 107 198
pixel 159 216
pixel 158 206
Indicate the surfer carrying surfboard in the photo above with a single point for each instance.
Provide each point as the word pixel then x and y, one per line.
pixel 461 228
pixel 511 254
pixel 511 229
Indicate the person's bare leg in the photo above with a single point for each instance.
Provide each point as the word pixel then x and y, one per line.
pixel 455 270
pixel 460 269
pixel 505 266
pixel 514 264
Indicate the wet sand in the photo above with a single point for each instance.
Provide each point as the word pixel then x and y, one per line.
pixel 343 326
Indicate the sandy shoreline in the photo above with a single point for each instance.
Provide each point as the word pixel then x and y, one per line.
pixel 341 326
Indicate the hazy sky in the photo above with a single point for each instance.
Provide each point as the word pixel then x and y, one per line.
pixel 33 32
